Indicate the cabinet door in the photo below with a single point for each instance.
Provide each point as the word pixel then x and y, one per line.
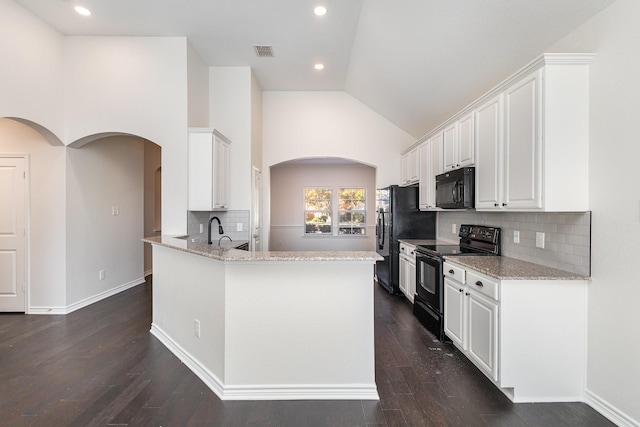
pixel 454 311
pixel 402 275
pixel 482 333
pixel 488 157
pixel 424 195
pixel 200 172
pixel 466 141
pixel 414 165
pixel 221 178
pixel 411 280
pixel 522 150
pixel 431 165
pixel 450 137
pixel 404 169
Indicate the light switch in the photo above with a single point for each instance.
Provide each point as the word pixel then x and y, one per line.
pixel 516 236
pixel 453 228
pixel 539 240
pixel 238 226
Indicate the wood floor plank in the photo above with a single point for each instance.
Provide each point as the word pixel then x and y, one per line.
pixel 101 366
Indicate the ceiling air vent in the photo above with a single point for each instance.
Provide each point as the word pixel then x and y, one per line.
pixel 263 51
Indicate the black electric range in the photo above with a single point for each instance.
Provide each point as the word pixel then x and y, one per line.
pixel 428 307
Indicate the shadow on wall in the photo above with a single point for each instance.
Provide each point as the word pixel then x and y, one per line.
pixel 347 224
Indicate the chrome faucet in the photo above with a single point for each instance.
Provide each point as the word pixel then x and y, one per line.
pixel 220 239
pixel 220 230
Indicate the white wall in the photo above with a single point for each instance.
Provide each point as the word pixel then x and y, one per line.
pixel 328 124
pixel 288 182
pixel 152 163
pixel 47 222
pixel 198 88
pixel 613 372
pixel 230 113
pixel 256 123
pixel 32 68
pixel 102 174
pixel 137 86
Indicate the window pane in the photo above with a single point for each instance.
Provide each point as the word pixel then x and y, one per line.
pixel 318 204
pixel 351 231
pixel 318 222
pixel 318 210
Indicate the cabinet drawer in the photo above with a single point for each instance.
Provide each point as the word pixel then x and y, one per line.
pixel 454 272
pixel 408 250
pixel 482 284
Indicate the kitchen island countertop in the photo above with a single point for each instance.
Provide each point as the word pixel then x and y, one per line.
pixel 227 252
pixel 505 268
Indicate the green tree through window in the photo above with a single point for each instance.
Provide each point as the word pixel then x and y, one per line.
pixel 318 210
pixel 352 211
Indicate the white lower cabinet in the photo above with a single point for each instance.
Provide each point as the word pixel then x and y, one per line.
pixel 482 332
pixel 527 336
pixel 454 311
pixel 471 317
pixel 407 273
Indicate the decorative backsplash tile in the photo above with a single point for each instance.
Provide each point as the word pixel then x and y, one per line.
pixel 229 220
pixel 567 243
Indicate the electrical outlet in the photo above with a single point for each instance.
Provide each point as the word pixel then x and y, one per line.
pixel 539 240
pixel 102 274
pixel 238 226
pixel 516 236
pixel 453 228
pixel 202 228
pixel 196 327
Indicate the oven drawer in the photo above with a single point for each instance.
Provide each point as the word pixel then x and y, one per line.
pixel 483 285
pixel 454 272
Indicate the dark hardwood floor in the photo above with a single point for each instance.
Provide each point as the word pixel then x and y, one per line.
pixel 101 366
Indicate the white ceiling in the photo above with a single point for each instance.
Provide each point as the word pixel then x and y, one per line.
pixel 415 62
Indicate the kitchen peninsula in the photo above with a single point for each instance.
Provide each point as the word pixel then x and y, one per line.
pixel 267 325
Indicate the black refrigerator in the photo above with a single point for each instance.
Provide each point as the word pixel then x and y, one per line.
pixel 399 217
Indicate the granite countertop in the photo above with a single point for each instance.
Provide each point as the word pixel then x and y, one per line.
pixel 227 251
pixel 505 268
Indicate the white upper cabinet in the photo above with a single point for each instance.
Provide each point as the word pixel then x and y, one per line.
pixel 431 164
pixel 209 170
pixel 488 131
pixel 522 144
pixel 532 146
pixel 450 137
pixel 466 141
pixel 459 146
pixel 410 167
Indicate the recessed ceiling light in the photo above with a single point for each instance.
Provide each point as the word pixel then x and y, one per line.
pixel 82 10
pixel 320 10
pixel 319 66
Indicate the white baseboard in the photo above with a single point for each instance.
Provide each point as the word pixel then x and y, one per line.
pixel 207 377
pixel 87 301
pixel 265 392
pixel 609 411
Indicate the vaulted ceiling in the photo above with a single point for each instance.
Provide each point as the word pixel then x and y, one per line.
pixel 415 62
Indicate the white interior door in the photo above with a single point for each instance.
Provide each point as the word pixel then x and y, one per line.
pixel 12 233
pixel 256 211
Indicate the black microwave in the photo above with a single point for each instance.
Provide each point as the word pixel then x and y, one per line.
pixel 456 189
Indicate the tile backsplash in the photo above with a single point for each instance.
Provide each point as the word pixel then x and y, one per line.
pixel 229 220
pixel 567 243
